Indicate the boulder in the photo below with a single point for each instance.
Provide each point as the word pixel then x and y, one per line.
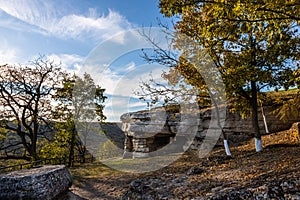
pixel 46 182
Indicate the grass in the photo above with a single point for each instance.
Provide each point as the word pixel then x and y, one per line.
pixel 279 160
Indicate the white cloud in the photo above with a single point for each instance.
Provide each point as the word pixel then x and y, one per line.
pixel 55 20
pixel 137 104
pixel 121 87
pixel 8 56
pixel 70 62
pixel 106 79
pixel 117 67
pixel 34 12
pixel 125 102
pixel 79 26
pixel 116 106
pixel 119 84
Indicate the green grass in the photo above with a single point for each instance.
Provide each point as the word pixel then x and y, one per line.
pixel 119 165
pixel 92 170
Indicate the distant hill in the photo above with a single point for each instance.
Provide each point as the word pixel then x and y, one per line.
pixel 112 131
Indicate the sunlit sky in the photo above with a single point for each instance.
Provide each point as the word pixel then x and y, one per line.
pixel 95 36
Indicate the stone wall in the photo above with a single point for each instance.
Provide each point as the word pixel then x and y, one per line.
pixel 46 182
pixel 148 131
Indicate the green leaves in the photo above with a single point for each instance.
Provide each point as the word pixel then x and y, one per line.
pixel 79 104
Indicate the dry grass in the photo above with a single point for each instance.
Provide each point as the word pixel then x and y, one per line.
pixel 279 159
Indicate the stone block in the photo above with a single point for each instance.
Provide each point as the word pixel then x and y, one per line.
pixel 46 182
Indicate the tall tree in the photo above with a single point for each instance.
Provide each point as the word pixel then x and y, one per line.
pixel 254 45
pixel 80 104
pixel 88 99
pixel 178 89
pixel 25 101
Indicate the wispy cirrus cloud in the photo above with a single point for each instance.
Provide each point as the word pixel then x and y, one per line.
pixel 33 12
pixel 79 26
pixel 56 20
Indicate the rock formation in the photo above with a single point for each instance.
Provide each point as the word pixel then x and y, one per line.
pixel 148 131
pixel 46 182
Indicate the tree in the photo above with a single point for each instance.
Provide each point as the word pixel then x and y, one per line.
pixel 88 99
pixel 80 103
pixel 267 10
pixel 57 149
pixel 174 91
pixel 25 99
pixel 178 90
pixel 254 45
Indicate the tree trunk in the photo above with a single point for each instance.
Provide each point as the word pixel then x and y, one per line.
pixel 33 147
pixel 34 153
pixel 255 124
pixel 265 119
pixel 225 136
pixel 72 145
pixel 83 154
pixel 226 146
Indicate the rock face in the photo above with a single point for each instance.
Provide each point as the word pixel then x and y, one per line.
pixel 148 131
pixel 46 182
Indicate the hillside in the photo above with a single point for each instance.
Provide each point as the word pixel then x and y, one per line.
pixel 272 172
pixel 112 131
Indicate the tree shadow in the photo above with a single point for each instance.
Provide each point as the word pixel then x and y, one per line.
pixel 273 146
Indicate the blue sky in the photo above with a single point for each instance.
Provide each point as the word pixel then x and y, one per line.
pixel 73 31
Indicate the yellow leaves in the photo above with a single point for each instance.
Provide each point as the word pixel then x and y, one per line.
pixel 173 76
pixel 247 39
pixel 239 9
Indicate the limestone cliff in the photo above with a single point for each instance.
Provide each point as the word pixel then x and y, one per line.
pixel 148 131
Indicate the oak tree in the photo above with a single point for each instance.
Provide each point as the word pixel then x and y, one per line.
pixel 253 44
pixel 25 101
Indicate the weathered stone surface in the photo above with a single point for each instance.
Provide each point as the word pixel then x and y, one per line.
pixel 283 189
pixel 160 188
pixel 194 124
pixel 45 182
pixel 195 170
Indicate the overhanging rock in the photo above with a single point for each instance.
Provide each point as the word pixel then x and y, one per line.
pixel 149 130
